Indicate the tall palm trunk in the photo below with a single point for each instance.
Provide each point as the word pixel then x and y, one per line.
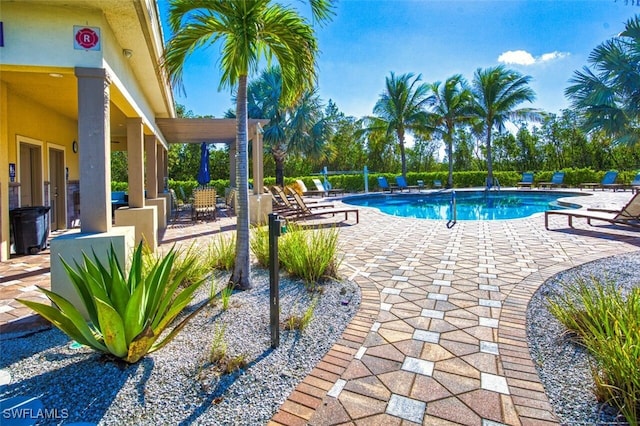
pixel 402 154
pixel 489 160
pixel 241 279
pixel 278 157
pixel 450 158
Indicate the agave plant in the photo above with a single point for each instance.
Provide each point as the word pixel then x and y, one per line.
pixel 127 314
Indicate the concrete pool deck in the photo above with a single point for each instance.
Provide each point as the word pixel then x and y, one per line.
pixel 439 338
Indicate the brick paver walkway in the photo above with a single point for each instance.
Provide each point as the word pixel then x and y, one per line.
pixel 440 336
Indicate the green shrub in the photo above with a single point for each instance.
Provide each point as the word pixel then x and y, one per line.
pixel 127 313
pixel 461 179
pixel 608 325
pixel 259 244
pixel 120 186
pixel 188 263
pixel 309 254
pixel 225 296
pixel 222 252
pixel 300 321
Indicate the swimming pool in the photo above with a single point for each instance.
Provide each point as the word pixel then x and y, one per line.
pixel 470 205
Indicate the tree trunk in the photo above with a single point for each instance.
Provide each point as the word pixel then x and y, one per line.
pixel 280 174
pixel 402 154
pixel 450 155
pixel 489 160
pixel 278 158
pixel 241 277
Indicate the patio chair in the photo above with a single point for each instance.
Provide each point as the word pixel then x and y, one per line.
pixel 608 181
pixel 437 184
pixel 227 203
pixel 204 203
pixel 328 190
pixel 635 184
pixel 557 180
pixel 527 180
pixel 625 216
pixel 279 199
pixel 284 203
pixel 187 201
pixel 383 184
pixel 306 191
pixel 177 206
pixel 305 212
pixel 401 183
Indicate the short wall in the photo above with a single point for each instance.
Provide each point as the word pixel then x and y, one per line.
pixel 161 209
pixel 70 247
pixel 145 221
pixel 260 206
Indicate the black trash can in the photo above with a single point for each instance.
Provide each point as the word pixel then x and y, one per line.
pixel 30 228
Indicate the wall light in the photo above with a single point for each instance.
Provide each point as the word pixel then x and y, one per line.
pixel 128 53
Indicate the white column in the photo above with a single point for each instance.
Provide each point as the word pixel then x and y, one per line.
pixel 135 158
pixel 94 134
pixel 151 169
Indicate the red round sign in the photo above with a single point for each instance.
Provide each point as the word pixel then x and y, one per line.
pixel 87 38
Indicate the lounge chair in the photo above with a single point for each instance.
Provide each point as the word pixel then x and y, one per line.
pixel 284 203
pixel 383 184
pixel 305 212
pixel 557 180
pixel 527 180
pixel 626 215
pixel 437 184
pixel 310 192
pixel 328 191
pixel 608 181
pixel 401 183
pixel 280 201
pixel 635 184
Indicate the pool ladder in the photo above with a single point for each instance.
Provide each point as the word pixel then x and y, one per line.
pixel 495 185
pixel 454 211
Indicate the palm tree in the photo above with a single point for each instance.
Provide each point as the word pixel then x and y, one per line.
pixel 301 128
pixel 400 109
pixel 610 97
pixel 451 108
pixel 308 129
pixel 246 31
pixel 496 92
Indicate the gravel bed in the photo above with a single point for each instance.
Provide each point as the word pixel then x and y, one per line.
pixel 177 385
pixel 563 365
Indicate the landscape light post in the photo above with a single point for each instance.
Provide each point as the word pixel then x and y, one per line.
pixel 276 228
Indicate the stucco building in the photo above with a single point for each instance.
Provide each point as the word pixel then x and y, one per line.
pixel 78 79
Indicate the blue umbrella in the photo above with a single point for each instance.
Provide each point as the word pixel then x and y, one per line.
pixel 203 174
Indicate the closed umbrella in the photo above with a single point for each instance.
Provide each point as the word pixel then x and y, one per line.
pixel 203 173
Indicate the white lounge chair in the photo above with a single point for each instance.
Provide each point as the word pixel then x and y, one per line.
pixel 628 215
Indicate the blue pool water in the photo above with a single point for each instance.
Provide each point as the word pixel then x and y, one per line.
pixel 470 205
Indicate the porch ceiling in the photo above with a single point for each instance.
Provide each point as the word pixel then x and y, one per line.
pixel 209 130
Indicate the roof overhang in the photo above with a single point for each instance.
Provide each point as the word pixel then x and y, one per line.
pixel 209 130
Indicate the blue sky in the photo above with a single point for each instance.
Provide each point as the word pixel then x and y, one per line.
pixel 369 39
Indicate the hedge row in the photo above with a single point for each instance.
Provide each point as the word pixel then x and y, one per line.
pixel 355 182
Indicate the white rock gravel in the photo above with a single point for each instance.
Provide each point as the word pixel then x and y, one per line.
pixel 176 385
pixel 563 365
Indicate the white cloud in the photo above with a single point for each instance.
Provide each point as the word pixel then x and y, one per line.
pixel 518 57
pixel 553 55
pixel 522 57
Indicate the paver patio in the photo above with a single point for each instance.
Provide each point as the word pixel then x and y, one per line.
pixel 440 335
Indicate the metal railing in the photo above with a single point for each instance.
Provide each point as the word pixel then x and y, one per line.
pixel 454 211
